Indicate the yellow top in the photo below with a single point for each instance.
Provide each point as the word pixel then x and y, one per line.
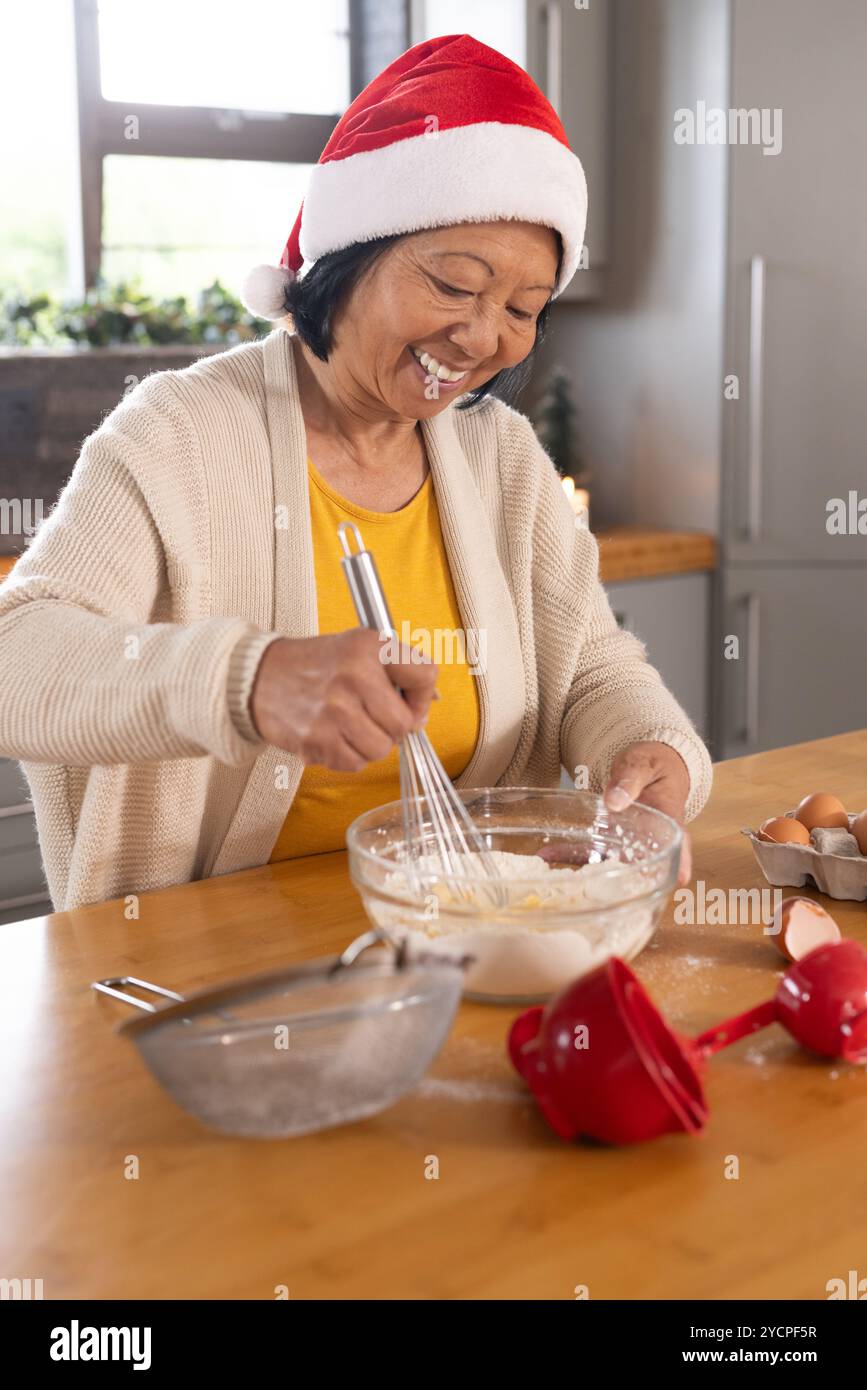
pixel 411 558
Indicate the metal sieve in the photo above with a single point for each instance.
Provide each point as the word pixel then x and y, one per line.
pixel 298 1049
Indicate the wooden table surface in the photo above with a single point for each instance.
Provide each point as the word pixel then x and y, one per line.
pixel 515 1213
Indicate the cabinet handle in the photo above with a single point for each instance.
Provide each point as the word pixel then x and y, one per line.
pixel 751 722
pixel 757 356
pixel 552 51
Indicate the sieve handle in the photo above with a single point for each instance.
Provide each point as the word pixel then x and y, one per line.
pixel 110 987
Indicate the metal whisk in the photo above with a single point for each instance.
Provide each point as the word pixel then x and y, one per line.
pixel 449 831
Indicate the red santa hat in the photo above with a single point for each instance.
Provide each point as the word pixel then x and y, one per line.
pixel 450 132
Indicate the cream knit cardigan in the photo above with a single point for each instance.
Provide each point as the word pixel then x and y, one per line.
pixel 132 626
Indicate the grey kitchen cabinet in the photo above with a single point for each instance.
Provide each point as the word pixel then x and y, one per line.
pixel 791 590
pixel 671 615
pixel 796 332
pixel 568 48
pixel 565 47
pixel 23 891
pixel 797 674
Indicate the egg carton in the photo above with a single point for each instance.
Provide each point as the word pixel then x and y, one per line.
pixel 838 875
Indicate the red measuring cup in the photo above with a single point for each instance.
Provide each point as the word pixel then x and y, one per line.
pixel 603 1063
pixel 821 1000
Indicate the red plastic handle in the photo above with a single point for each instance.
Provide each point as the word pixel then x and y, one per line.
pixel 724 1034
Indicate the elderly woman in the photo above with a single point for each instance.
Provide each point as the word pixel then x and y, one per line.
pixel 183 676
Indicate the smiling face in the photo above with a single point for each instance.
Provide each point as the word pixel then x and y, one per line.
pixel 463 299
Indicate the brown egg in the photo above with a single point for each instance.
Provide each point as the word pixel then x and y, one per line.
pixel 859 830
pixel 800 925
pixel 784 830
pixel 822 809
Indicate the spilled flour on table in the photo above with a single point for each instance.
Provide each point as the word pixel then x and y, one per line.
pixel 755 1057
pixel 470 1072
pixel 471 1092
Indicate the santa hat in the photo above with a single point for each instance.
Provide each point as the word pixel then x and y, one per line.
pixel 450 132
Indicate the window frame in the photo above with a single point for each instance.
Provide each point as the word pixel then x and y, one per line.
pixel 202 132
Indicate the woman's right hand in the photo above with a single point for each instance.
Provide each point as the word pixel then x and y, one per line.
pixel 334 701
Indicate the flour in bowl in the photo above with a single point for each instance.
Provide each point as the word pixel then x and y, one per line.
pixel 544 934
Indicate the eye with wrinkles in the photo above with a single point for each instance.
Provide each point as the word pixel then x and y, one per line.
pixel 449 289
pixel 453 289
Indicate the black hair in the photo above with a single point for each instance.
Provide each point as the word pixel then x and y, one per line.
pixel 314 300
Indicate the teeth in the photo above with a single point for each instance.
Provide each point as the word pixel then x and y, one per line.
pixel 436 368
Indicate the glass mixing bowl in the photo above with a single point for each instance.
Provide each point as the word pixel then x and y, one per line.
pixel 599 894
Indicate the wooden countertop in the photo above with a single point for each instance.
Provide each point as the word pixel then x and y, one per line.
pixel 515 1213
pixel 646 552
pixel 625 552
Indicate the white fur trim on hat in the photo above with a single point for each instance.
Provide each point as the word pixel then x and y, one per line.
pixel 264 290
pixel 474 173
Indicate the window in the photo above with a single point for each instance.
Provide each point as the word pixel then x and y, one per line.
pixel 176 225
pixel 38 150
pixel 195 152
pixel 170 141
pixel 498 23
pixel 256 55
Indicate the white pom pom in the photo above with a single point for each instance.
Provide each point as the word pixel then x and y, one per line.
pixel 264 290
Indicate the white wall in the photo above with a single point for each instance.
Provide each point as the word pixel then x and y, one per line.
pixel 647 358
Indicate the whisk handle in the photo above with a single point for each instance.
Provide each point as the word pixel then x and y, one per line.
pixel 364 582
pixel 365 585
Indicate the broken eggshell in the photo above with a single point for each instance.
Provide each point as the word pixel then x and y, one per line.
pixel 799 925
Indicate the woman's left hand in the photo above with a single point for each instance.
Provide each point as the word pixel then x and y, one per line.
pixel 656 775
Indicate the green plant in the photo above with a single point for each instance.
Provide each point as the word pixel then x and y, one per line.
pixel 555 419
pixel 23 321
pixel 123 315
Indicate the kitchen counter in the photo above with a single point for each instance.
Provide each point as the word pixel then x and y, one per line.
pixel 515 1212
pixel 648 552
pixel 625 552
